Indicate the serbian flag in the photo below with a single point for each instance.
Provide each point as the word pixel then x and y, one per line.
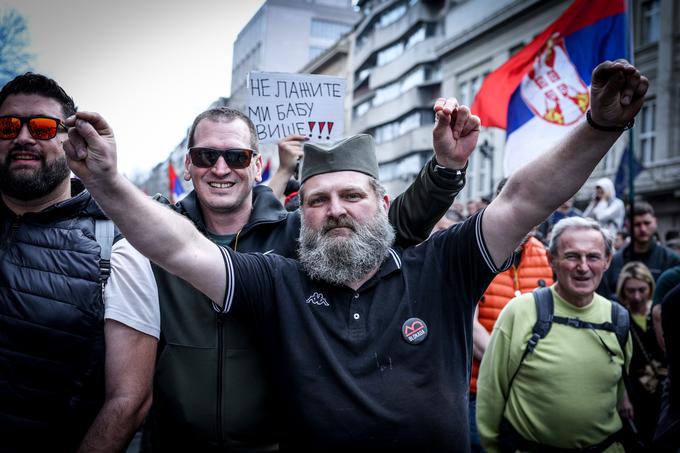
pixel 542 92
pixel 175 185
pixel 266 171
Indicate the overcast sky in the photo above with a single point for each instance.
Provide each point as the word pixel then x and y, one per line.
pixel 148 66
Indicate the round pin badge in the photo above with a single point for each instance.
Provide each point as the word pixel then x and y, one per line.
pixel 414 330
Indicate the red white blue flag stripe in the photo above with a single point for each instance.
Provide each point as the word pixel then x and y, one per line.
pixel 542 92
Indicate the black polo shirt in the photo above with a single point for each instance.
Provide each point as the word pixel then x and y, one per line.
pixel 349 378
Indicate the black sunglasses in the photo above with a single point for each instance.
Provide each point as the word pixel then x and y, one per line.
pixel 40 127
pixel 234 157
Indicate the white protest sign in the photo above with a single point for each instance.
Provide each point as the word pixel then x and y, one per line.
pixel 281 104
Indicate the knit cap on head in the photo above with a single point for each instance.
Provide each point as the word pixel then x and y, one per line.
pixel 356 153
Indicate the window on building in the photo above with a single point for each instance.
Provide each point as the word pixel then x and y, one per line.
pixel 392 15
pixel 417 35
pixel 412 79
pixel 362 108
pixel 328 30
pixel 650 21
pixel 468 88
pixel 405 168
pixel 647 132
pixel 386 93
pixel 390 53
pixel 315 52
pixel 416 77
pixel 403 125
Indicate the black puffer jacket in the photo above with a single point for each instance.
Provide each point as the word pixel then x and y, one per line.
pixel 51 325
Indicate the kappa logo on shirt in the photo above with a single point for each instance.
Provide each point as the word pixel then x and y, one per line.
pixel 318 299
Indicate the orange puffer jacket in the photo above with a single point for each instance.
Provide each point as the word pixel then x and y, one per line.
pixel 533 271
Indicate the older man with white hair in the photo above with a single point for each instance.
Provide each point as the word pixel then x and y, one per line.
pixel 553 373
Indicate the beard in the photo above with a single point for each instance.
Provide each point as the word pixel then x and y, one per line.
pixel 340 260
pixel 30 186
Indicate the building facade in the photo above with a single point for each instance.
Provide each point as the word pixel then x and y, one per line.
pixel 406 53
pixel 396 76
pixel 286 34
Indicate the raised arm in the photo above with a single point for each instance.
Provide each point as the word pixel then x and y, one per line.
pixel 290 153
pixel 163 236
pixel 539 187
pixel 425 201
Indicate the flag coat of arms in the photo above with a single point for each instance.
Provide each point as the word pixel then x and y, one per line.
pixel 542 92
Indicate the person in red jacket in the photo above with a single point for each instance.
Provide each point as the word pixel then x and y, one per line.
pixel 530 270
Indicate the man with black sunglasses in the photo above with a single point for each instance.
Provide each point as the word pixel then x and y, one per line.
pixel 78 330
pixel 213 389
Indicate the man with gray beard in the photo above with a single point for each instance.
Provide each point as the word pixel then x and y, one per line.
pixel 338 260
pixel 381 361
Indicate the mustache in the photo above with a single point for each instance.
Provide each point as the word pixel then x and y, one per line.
pixel 16 149
pixel 341 222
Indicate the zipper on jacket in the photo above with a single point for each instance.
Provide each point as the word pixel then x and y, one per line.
pixel 220 349
pixel 15 226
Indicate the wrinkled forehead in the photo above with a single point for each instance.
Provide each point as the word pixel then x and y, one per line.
pixel 335 182
pixel 581 239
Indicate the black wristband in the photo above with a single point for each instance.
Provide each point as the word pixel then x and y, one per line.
pixel 599 127
pixel 448 173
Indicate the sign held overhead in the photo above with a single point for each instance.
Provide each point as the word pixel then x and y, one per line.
pixel 281 104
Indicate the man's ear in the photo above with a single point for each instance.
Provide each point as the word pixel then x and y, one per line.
pixel 187 166
pixel 258 168
pixel 386 202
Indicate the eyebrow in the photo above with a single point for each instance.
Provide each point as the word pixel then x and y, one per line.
pixel 352 188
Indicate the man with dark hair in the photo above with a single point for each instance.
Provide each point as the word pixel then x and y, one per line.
pixel 369 353
pixel 643 248
pixel 212 390
pixel 79 329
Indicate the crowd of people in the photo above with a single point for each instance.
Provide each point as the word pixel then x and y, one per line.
pixel 361 322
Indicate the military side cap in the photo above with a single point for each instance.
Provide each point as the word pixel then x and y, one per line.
pixel 356 153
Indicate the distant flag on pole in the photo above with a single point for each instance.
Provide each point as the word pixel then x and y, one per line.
pixel 266 171
pixel 175 185
pixel 623 178
pixel 542 92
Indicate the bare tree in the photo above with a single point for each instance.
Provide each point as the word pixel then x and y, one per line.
pixel 14 41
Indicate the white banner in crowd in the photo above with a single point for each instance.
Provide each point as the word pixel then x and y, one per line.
pixel 281 104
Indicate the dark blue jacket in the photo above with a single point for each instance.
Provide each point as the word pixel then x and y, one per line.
pixel 51 325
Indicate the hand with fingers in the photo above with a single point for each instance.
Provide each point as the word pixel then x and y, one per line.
pixel 617 93
pixel 91 147
pixel 290 152
pixel 455 133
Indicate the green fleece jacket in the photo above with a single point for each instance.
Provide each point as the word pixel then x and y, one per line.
pixel 566 392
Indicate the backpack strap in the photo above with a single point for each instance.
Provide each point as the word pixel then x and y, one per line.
pixel 621 324
pixel 544 318
pixel 104 233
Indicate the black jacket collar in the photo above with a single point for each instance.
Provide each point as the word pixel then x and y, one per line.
pixel 266 208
